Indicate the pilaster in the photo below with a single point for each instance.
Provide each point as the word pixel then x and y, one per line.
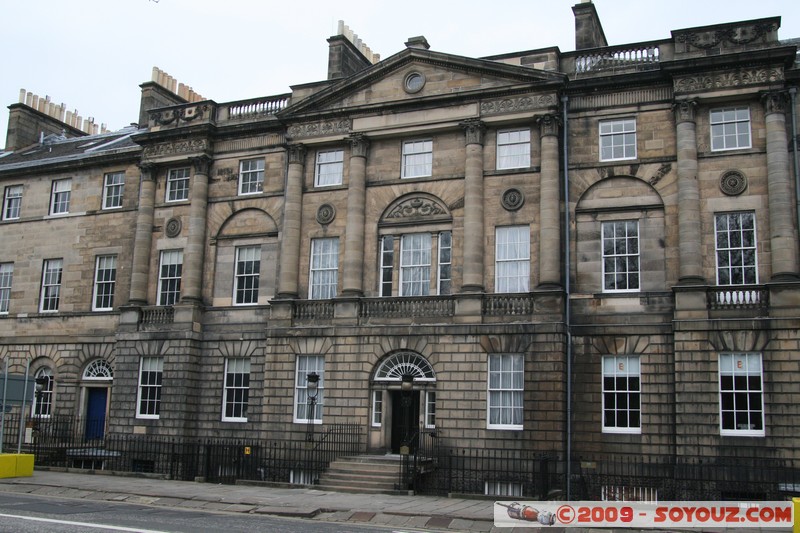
pixel 549 203
pixel 356 204
pixel 292 211
pixel 473 207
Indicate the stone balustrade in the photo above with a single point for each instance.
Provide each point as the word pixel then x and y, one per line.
pixel 156 316
pixel 638 57
pixel 733 298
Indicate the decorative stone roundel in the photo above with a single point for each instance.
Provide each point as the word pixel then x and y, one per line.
pixel 174 226
pixel 733 183
pixel 413 82
pixel 512 199
pixel 325 214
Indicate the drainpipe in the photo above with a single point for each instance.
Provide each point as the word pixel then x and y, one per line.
pixel 567 318
pixel 793 94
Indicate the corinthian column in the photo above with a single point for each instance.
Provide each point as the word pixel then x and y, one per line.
pixel 292 210
pixel 473 207
pixel 549 205
pixel 143 239
pixel 356 206
pixel 196 241
pixel 690 269
pixel 782 236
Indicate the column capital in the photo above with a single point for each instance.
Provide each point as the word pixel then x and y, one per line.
pixel 775 102
pixel 297 153
pixel 201 164
pixel 548 124
pixel 474 129
pixel 359 145
pixel 148 171
pixel 684 110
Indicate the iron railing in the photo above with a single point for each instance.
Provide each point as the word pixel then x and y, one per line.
pixel 433 466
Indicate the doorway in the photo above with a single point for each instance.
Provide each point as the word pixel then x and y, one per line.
pixel 405 420
pixel 96 402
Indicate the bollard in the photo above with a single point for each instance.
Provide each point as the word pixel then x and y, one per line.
pixel 796 505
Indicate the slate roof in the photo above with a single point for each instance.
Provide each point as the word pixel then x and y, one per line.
pixel 58 149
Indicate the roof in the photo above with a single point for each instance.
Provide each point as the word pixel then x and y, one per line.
pixel 58 149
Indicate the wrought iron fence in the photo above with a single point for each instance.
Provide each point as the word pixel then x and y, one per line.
pixel 435 466
pixel 536 475
pixel 65 442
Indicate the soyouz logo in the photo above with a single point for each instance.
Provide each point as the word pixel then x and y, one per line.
pixel 644 515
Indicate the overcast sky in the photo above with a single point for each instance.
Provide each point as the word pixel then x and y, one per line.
pixel 92 55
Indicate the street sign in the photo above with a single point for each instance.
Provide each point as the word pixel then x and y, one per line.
pixel 15 392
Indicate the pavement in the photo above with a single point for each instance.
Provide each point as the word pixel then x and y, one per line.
pixel 397 511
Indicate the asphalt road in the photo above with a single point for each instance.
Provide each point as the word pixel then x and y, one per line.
pixel 38 514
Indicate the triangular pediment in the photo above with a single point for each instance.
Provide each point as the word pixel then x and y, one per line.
pixel 438 77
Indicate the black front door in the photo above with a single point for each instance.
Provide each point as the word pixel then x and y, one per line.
pixel 405 419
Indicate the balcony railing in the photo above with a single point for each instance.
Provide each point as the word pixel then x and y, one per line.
pixel 312 310
pixel 641 57
pixel 257 107
pixel 732 298
pixel 407 307
pixel 156 316
pixel 507 305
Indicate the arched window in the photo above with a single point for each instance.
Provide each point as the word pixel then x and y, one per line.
pixel 98 370
pixel 402 363
pixel 43 399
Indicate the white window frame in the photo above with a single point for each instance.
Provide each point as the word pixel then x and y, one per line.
pixel 60 196
pixel 386 281
pixel 6 279
pixel 154 367
pixel 169 283
pixel 625 375
pixel 415 264
pixel 620 251
pixel 417 159
pixel 724 249
pixel 618 136
pixel 445 258
pixel 377 408
pixel 505 391
pixel 512 251
pixel 329 169
pixel 323 278
pixel 50 298
pixel 178 180
pixel 44 401
pixel 304 365
pixel 105 279
pixel 430 409
pixel 12 202
pixel 727 128
pixel 251 176
pixel 737 365
pixel 236 389
pixel 113 190
pixel 247 275
pixel 510 489
pixel 513 149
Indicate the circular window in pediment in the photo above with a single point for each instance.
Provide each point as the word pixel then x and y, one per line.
pixel 413 82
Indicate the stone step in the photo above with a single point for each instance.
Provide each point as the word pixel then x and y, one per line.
pixel 368 474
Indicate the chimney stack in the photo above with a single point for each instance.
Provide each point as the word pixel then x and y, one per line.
pixel 588 29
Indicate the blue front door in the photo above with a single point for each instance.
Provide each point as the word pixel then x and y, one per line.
pixel 96 413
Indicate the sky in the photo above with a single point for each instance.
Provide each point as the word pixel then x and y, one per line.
pixel 92 55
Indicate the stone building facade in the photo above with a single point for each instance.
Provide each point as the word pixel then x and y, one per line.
pixel 408 216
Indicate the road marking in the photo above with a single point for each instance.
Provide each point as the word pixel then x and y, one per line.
pixel 81 524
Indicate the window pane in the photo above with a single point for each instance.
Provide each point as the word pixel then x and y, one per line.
pixel 324 268
pixel 247 275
